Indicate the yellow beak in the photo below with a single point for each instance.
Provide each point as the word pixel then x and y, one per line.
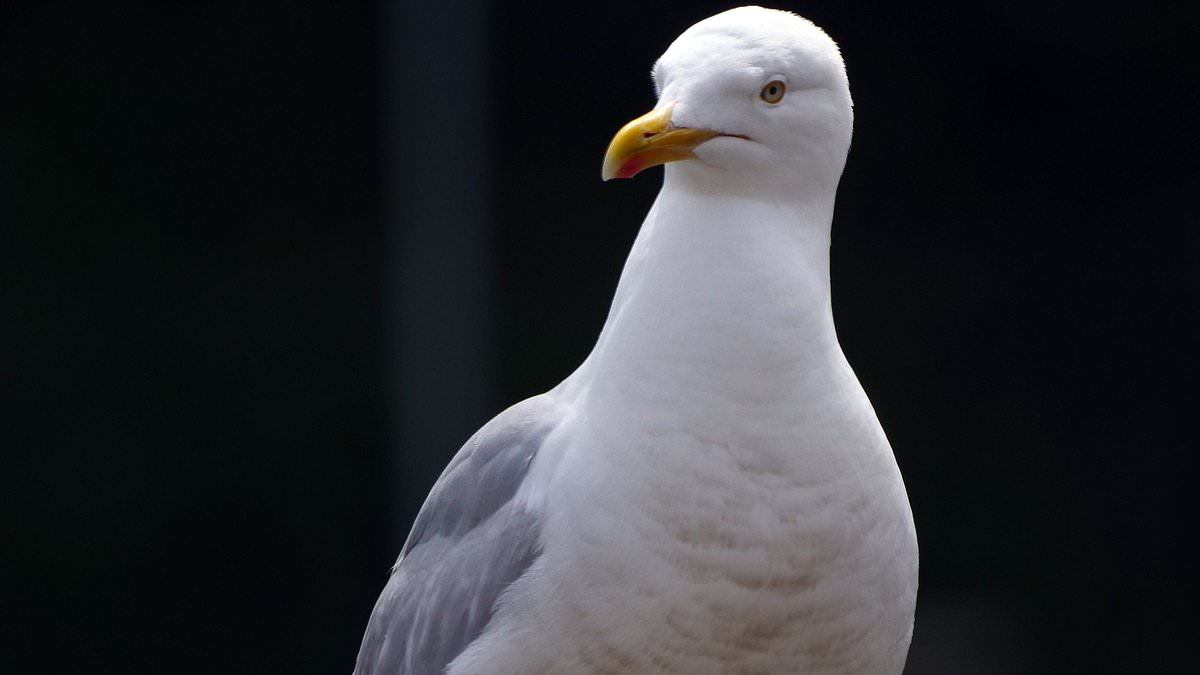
pixel 648 141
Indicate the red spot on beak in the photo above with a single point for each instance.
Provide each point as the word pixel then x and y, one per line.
pixel 630 167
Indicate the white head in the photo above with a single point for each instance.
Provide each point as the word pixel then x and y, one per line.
pixel 758 96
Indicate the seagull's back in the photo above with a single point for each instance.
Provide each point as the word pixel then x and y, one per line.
pixel 470 541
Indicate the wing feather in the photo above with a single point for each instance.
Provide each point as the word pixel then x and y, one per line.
pixel 470 541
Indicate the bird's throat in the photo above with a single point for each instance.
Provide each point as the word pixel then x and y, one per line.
pixel 721 298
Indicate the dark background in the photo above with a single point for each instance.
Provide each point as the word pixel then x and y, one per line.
pixel 265 265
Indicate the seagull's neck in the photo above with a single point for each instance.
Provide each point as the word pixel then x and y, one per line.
pixel 724 304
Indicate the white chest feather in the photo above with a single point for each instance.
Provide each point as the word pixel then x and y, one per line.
pixel 683 554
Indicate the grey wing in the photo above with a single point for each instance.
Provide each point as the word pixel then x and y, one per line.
pixel 469 542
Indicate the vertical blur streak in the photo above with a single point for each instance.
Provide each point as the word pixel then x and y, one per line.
pixel 436 209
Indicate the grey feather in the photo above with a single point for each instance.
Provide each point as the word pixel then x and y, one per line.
pixel 470 542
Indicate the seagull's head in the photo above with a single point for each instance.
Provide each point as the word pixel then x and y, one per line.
pixel 749 96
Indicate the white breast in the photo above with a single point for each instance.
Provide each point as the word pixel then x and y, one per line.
pixel 673 553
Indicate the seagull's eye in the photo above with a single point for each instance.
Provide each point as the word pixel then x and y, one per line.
pixel 773 92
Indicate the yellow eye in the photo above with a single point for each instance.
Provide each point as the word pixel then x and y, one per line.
pixel 773 92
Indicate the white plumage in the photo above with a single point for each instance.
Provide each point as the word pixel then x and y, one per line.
pixel 710 491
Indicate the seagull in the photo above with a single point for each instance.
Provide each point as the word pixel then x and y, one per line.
pixel 711 490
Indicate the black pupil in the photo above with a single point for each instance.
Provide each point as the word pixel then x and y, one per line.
pixel 772 90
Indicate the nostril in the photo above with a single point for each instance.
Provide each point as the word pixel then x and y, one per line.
pixel 649 134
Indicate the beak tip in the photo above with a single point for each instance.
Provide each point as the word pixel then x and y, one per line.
pixel 627 152
pixel 627 167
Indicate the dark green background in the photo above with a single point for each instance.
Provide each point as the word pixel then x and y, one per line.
pixel 212 294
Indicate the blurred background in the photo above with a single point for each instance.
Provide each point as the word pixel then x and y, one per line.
pixel 266 265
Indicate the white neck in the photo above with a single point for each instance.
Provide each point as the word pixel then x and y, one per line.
pixel 724 300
